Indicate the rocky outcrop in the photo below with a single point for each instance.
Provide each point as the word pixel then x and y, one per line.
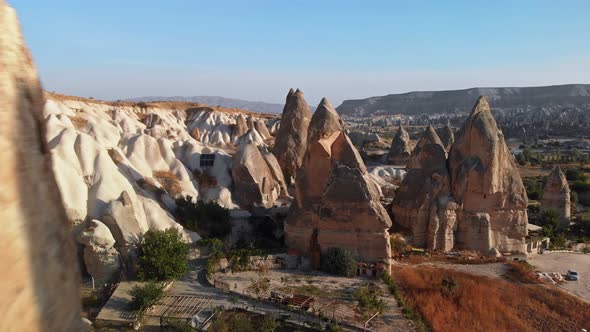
pixel 423 202
pixel 400 151
pixel 40 279
pixel 337 203
pixel 255 183
pixel 260 127
pixel 474 200
pixel 240 128
pixel 100 256
pixel 556 195
pixel 291 137
pixel 447 136
pixel 486 184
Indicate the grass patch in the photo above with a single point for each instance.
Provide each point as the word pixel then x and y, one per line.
pixel 78 121
pixel 407 311
pixel 169 182
pixel 521 272
pixel 476 303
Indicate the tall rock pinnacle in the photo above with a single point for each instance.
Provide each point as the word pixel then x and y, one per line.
pixel 291 137
pixel 400 151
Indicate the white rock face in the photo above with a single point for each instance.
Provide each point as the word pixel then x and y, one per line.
pixel 100 256
pixel 124 164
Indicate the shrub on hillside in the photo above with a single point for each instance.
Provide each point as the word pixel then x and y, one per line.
pixel 208 219
pixel 339 261
pixel 145 296
pixel 162 256
pixel 169 182
pixel 368 298
pixel 534 187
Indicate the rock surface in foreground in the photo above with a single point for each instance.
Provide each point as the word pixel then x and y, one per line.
pixel 39 280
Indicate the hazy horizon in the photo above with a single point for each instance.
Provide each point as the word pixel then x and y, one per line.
pixel 341 50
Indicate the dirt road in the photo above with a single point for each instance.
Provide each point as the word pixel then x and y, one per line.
pixel 561 262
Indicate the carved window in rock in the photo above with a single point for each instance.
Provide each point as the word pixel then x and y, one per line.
pixel 207 160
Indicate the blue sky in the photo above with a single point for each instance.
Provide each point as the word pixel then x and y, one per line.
pixel 257 50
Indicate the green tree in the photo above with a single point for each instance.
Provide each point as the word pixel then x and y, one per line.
pixel 209 218
pixel 162 256
pixel 550 220
pixel 267 323
pixel 145 296
pixel 368 298
pixel 339 261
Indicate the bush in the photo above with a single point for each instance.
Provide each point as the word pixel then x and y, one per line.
pixel 580 186
pixel 162 256
pixel 208 219
pixel 169 182
pixel 534 187
pixel 575 174
pixel 339 261
pixel 146 295
pixel 369 299
pixel 550 221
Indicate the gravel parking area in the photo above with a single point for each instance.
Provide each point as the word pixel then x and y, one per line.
pixel 563 261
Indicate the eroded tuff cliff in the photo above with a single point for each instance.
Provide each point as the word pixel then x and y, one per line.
pixel 337 203
pixel 400 150
pixel 423 202
pixel 291 137
pixel 39 281
pixel 556 195
pixel 486 184
pixel 475 199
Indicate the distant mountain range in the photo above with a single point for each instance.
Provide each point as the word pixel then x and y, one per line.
pixel 253 106
pixel 461 101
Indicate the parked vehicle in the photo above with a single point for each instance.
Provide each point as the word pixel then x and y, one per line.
pixel 573 275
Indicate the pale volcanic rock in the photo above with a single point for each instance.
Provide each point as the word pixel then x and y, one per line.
pixel 487 186
pixel 251 137
pixel 400 150
pixel 121 219
pixel 100 256
pixel 254 181
pixel 291 136
pixel 260 127
pixel 240 128
pixel 423 202
pixel 447 136
pixel 40 278
pixel 337 201
pixel 556 195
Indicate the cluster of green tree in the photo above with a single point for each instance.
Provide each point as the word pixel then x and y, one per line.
pixel 531 157
pixel 238 256
pixel 208 219
pixel 579 185
pixel 339 261
pixel 368 298
pixel 534 187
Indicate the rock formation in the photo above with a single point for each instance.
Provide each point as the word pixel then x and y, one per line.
pixel 400 151
pixel 100 256
pixel 255 182
pixel 486 184
pixel 240 128
pixel 556 195
pixel 423 202
pixel 291 137
pixel 337 203
pixel 260 127
pixel 447 136
pixel 40 279
pixel 475 199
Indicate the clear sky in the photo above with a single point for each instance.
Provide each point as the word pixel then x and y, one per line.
pixel 257 50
